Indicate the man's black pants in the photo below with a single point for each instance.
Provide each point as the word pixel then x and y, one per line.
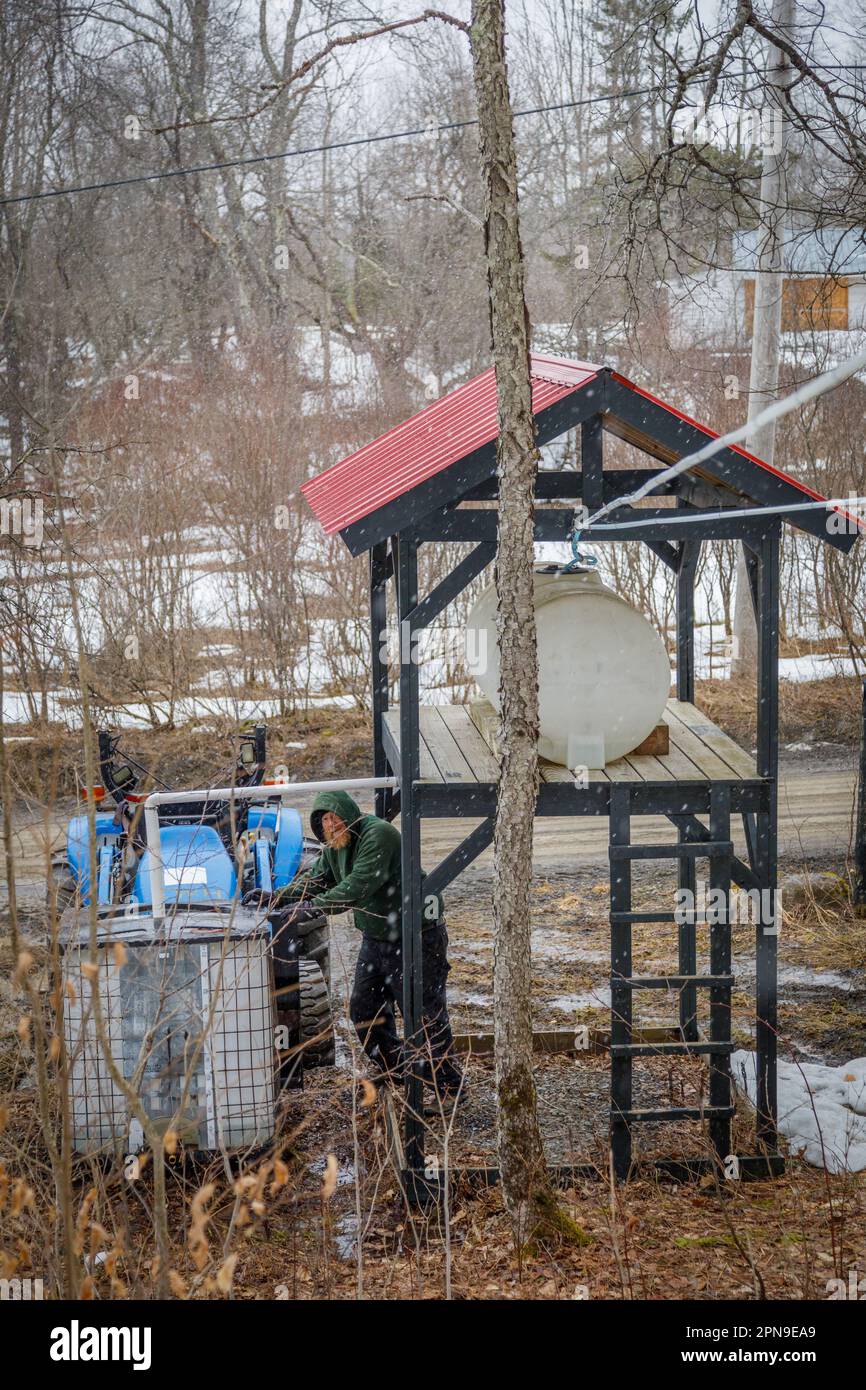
pixel 378 989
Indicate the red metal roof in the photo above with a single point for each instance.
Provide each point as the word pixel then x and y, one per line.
pixel 452 428
pixel 445 432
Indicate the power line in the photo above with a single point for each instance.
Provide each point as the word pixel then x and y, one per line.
pixel 358 141
pixel 310 149
pixel 344 144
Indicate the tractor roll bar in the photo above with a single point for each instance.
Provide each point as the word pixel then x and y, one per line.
pixel 259 793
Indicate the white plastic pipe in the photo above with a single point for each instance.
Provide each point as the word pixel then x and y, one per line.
pixel 809 391
pixel 259 793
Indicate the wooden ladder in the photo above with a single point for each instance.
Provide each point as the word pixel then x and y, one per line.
pixel 718 1046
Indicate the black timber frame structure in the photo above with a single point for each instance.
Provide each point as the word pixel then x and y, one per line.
pixel 443 509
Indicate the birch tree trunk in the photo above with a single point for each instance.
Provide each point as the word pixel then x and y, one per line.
pixel 521 1154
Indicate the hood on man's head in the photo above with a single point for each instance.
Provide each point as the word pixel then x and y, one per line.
pixel 341 804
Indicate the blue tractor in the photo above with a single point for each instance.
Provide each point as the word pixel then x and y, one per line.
pixel 213 852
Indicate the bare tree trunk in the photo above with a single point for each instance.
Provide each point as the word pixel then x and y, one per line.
pixel 521 1154
pixel 767 319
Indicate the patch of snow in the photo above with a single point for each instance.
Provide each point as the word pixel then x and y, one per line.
pixel 814 979
pixel 588 999
pixel 548 943
pixel 800 975
pixel 822 1110
pixel 462 996
pixel 816 666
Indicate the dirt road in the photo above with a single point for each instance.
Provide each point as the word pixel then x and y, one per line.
pixel 815 809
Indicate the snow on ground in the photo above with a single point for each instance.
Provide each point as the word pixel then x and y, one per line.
pixel 186 710
pixel 822 1110
pixel 816 666
pixel 319 667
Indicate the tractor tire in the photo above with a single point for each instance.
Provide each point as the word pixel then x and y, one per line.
pixel 315 944
pixel 65 886
pixel 317 1024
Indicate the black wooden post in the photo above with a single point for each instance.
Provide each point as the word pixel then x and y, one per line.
pixel 688 556
pixel 410 831
pixel 766 944
pixel 620 971
pixel 592 463
pixel 379 664
pixel 720 968
pixel 860 822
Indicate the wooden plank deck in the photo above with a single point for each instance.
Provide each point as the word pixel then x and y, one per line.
pixel 458 745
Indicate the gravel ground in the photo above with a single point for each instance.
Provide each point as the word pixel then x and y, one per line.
pixel 822 975
pixel 573 1100
pixel 821 990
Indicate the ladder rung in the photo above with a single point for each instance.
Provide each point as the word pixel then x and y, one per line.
pixel 669 1049
pixel 669 917
pixel 678 1112
pixel 711 848
pixel 673 981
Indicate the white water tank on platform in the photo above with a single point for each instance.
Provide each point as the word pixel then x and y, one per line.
pixel 604 675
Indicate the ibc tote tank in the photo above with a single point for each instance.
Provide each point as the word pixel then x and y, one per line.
pixel 189 1021
pixel 603 672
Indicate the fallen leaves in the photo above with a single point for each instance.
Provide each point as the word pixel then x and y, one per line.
pixel 226 1273
pixel 329 1183
pixel 197 1240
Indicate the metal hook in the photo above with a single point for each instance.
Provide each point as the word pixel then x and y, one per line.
pixel 581 560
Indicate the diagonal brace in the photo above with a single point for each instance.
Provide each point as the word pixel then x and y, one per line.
pixel 453 864
pixel 695 832
pixel 452 585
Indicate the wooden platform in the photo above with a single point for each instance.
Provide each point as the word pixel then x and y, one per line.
pixel 457 743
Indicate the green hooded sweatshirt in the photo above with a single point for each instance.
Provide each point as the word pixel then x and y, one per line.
pixel 364 875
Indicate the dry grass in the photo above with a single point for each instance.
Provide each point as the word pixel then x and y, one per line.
pixel 336 743
pixel 809 711
pixel 779 1240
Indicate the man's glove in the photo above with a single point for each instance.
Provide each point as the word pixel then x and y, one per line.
pixel 293 914
pixel 256 897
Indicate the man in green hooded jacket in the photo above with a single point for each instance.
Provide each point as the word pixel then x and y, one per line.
pixel 359 870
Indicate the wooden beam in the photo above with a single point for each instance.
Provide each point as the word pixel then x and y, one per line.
pixel 592 462
pixel 452 585
pixel 566 484
pixel 454 863
pixel 554 524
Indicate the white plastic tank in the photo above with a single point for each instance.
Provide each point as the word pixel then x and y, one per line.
pixel 604 674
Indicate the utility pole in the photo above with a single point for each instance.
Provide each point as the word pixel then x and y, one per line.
pixel 767 321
